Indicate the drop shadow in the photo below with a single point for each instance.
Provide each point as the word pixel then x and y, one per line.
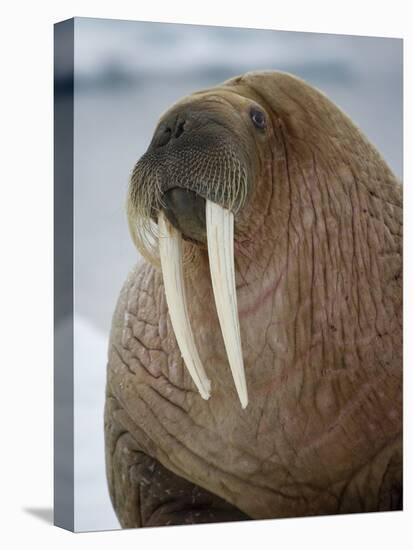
pixel 44 514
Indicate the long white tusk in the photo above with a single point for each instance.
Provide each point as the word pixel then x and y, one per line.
pixel 170 250
pixel 220 233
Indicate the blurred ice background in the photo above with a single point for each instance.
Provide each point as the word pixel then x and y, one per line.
pixel 126 74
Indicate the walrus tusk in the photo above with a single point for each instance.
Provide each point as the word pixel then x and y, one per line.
pixel 170 251
pixel 220 234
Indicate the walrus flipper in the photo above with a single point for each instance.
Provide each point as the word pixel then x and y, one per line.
pixel 145 494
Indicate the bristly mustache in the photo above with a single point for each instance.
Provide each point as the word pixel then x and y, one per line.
pixel 218 175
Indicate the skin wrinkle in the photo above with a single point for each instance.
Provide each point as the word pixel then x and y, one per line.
pixel 151 386
pixel 352 479
pixel 169 434
pixel 147 505
pixel 312 297
pixel 180 443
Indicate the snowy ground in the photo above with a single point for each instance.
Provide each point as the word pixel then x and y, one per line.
pixel 93 510
pixel 127 74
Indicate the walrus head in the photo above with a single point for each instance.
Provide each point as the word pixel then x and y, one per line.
pixel 217 169
pixel 202 168
pixel 203 148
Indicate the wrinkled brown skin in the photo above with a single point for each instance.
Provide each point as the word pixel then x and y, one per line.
pixel 319 277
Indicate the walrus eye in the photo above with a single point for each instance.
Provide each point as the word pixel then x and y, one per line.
pixel 258 118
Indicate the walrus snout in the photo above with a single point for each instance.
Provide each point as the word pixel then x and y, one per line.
pixel 191 158
pixel 202 150
pixel 185 210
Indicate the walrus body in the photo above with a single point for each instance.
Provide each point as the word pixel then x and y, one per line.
pixel 318 257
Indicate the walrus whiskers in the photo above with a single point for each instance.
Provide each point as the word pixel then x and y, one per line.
pixel 223 179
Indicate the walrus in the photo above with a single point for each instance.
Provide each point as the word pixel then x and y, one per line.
pixel 255 356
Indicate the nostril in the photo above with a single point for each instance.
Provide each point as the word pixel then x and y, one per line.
pixel 168 131
pixel 179 129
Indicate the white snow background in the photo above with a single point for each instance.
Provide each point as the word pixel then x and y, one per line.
pixel 93 510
